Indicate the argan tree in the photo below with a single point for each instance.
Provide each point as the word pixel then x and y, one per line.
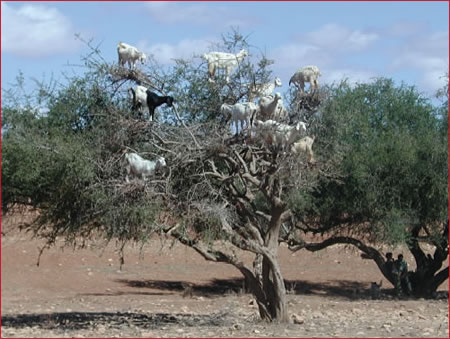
pixel 218 194
pixel 393 186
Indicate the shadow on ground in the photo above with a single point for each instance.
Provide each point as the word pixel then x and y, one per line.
pixel 219 287
pixel 90 320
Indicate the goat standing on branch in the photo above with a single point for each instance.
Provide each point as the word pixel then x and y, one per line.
pixel 304 145
pixel 223 60
pixel 143 97
pixel 306 74
pixel 263 90
pixel 141 167
pixel 275 133
pixel 240 112
pixel 129 54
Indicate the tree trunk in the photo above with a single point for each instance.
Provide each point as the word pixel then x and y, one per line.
pixel 425 280
pixel 272 280
pixel 274 289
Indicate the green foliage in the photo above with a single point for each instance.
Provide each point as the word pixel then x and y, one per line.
pixel 395 160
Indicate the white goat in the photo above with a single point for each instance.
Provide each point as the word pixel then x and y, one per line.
pixel 304 145
pixel 306 74
pixel 268 106
pixel 141 167
pixel 240 112
pixel 223 60
pixel 263 90
pixel 139 97
pixel 281 113
pixel 275 133
pixel 129 54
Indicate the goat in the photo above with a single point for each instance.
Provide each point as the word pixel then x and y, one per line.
pixel 240 112
pixel 268 106
pixel 141 167
pixel 263 90
pixel 304 145
pixel 281 113
pixel 143 97
pixel 129 54
pixel 306 74
pixel 223 60
pixel 139 100
pixel 274 133
pixel 154 100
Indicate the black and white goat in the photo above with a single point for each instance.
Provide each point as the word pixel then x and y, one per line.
pixel 143 97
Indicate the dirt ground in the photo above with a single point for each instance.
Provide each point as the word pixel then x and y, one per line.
pixel 164 291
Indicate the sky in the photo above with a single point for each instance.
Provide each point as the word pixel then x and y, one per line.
pixel 407 41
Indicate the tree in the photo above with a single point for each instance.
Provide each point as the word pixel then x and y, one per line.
pixel 394 177
pixel 219 194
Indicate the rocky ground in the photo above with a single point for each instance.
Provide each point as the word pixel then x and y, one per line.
pixel 165 291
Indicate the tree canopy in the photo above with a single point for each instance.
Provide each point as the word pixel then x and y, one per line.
pixel 393 185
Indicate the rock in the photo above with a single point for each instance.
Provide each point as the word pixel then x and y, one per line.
pixel 296 319
pixel 386 327
pixel 316 315
pixel 237 326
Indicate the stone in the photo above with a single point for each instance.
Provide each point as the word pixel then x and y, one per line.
pixel 296 319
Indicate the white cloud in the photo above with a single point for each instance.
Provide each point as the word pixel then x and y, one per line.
pixel 339 38
pixel 405 28
pixel 352 75
pixel 426 53
pixel 291 53
pixel 170 12
pixel 36 31
pixel 328 48
pixel 164 53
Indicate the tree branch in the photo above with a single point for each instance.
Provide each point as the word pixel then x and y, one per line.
pixel 295 245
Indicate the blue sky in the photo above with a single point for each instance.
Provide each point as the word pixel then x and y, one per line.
pixel 407 41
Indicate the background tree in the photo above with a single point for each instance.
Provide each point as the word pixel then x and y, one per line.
pixel 393 187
